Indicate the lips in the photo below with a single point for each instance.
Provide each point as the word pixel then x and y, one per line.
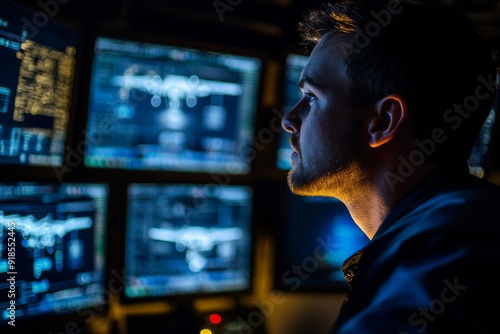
pixel 294 144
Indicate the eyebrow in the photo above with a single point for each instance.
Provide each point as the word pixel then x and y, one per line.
pixel 308 80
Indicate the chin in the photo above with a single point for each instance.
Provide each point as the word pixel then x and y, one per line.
pixel 301 185
pixel 337 183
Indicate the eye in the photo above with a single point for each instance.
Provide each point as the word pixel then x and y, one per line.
pixel 311 96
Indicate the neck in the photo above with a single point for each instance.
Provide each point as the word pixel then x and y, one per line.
pixel 378 195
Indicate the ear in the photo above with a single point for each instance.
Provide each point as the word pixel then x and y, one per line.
pixel 390 115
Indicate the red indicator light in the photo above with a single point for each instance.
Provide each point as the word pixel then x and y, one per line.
pixel 215 319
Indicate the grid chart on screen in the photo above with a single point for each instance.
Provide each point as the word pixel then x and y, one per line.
pixel 59 240
pixel 38 67
pixel 187 239
pixel 156 107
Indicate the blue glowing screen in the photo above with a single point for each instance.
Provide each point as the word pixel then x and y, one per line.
pixel 187 239
pixel 53 239
pixel 38 61
pixel 158 107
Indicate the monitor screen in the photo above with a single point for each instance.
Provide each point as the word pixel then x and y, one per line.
pixel 316 237
pixel 53 248
pixel 478 158
pixel 37 65
pixel 159 107
pixel 291 95
pixel 187 240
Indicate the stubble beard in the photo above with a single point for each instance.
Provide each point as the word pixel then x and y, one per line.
pixel 333 182
pixel 336 176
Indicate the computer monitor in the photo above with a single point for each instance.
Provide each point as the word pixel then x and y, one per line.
pixel 53 239
pixel 294 64
pixel 38 66
pixel 481 151
pixel 315 237
pixel 186 240
pixel 170 108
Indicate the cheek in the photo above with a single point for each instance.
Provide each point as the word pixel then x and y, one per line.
pixel 315 144
pixel 318 134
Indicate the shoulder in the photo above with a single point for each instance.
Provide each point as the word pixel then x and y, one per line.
pixel 433 268
pixel 449 237
pixel 469 204
pixel 463 218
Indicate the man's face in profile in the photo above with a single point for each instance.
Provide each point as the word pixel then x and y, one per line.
pixel 325 134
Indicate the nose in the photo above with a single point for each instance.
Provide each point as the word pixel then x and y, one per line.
pixel 290 121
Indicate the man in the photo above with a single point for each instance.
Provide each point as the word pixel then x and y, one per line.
pixel 394 95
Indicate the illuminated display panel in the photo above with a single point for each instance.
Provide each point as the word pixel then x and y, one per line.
pixel 158 107
pixel 481 149
pixel 292 94
pixel 53 239
pixel 317 236
pixel 187 240
pixel 38 66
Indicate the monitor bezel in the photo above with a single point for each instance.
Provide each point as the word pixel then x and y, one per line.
pixel 48 171
pixel 169 41
pixel 187 299
pixel 77 317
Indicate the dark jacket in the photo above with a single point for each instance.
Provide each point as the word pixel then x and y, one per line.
pixel 434 264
